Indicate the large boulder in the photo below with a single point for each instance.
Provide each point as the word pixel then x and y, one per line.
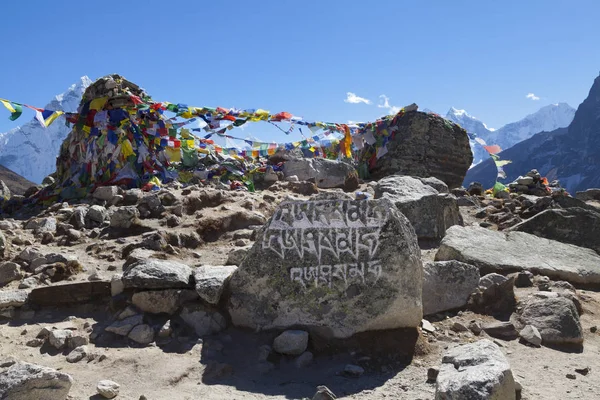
pixel 556 319
pixel 475 371
pixel 326 173
pixel 25 381
pixel 336 265
pixel 505 252
pixel 588 195
pixel 13 298
pixel 447 285
pixel 422 145
pixel 577 226
pixel 157 274
pixel 430 212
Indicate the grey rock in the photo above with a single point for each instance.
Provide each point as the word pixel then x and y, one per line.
pixel 307 263
pixel 58 338
pixel 589 194
pixel 429 212
pixel 292 342
pixel 122 328
pixel 9 271
pixel 236 256
pixel 29 254
pixel 124 217
pixel 96 216
pixel 425 145
pixel 105 193
pixel 211 281
pixel 504 330
pixel 488 280
pixel 204 320
pixel 157 274
pixel 577 226
pixel 13 298
pixel 116 285
pixel 556 319
pixel 323 393
pixel 515 251
pixel 531 335
pixel 447 285
pixel 78 340
pixel 77 218
pixel 303 360
pixel 353 370
pixel 475 189
pixel 47 224
pixel 108 389
pixel 435 183
pixel 4 191
pixel 475 371
pixel 142 334
pixel 432 374
pixel 162 301
pixel 427 326
pixel 524 279
pixel 3 244
pixel 326 173
pixel 25 381
pixel 264 352
pixel 77 354
pixel 132 196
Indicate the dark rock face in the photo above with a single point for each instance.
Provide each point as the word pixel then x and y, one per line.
pixel 567 154
pixel 577 226
pixel 334 265
pixel 426 145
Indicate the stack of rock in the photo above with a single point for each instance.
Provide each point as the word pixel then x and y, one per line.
pixel 534 184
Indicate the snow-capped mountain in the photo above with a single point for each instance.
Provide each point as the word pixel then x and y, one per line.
pixel 546 119
pixel 31 150
pixel 569 154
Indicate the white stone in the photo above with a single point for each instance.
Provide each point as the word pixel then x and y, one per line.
pixel 292 342
pixel 108 389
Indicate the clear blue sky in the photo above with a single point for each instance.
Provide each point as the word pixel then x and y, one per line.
pixel 304 56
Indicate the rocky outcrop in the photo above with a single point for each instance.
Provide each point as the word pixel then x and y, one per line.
pixel 425 145
pixel 429 212
pixel 336 265
pixel 447 285
pixel 475 371
pixel 25 381
pixel 587 195
pixel 515 251
pixel 577 226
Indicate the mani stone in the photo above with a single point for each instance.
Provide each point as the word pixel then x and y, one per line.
pixel 331 264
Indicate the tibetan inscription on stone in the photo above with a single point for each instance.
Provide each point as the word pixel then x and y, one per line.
pixel 338 238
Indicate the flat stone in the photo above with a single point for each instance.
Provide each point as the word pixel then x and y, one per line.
pixel 447 285
pixel 157 274
pixel 211 280
pixel 77 354
pixel 70 293
pixel 292 342
pixel 501 330
pixel 13 298
pixel 25 381
pixel 353 370
pixel 516 251
pixel 475 371
pixel 125 326
pixel 326 173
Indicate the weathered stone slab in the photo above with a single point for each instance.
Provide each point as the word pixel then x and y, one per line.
pixel 475 371
pixel 157 274
pixel 429 212
pixel 326 173
pixel 70 293
pixel 13 298
pixel 25 381
pixel 516 251
pixel 447 285
pixel 211 281
pixel 337 265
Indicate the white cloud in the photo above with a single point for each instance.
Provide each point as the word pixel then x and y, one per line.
pixel 354 99
pixel 532 96
pixel 392 110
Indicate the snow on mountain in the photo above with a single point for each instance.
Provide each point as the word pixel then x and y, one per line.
pixel 546 119
pixel 31 150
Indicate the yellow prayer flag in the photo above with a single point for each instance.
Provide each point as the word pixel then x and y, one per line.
pixel 8 106
pixel 173 154
pixel 98 104
pixel 126 148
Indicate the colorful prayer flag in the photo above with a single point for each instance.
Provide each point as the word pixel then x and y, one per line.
pixel 15 109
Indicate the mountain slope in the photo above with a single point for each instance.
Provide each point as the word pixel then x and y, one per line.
pixel 571 155
pixel 546 119
pixel 15 182
pixel 30 150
